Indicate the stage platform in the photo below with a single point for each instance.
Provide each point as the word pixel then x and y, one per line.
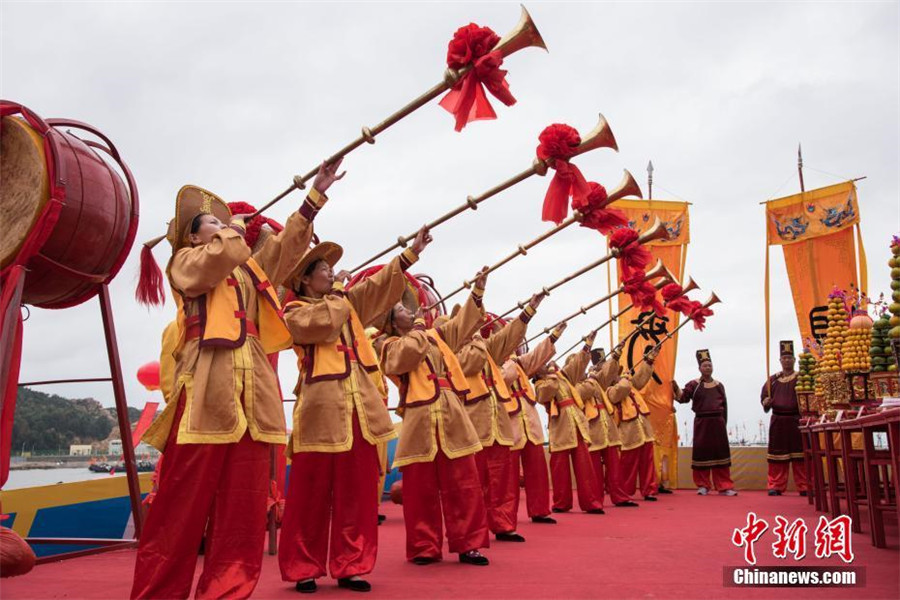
pixel 674 548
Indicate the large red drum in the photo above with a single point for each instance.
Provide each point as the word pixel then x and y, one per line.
pixel 69 217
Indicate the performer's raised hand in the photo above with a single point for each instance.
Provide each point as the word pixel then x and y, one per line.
pixel 327 175
pixel 423 238
pixel 343 276
pixel 536 300
pixel 559 330
pixel 481 278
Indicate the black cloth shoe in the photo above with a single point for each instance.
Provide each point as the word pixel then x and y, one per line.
pixel 355 585
pixel 424 560
pixel 774 493
pixel 560 510
pixel 650 498
pixel 627 503
pixel 474 557
pixel 544 519
pixel 306 587
pixel 509 537
pixel 382 519
pixel 663 490
pixel 596 511
pixel 804 494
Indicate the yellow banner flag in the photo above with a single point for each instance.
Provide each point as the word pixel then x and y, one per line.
pixel 658 393
pixel 815 232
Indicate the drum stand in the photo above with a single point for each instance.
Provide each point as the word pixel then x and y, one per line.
pixel 11 321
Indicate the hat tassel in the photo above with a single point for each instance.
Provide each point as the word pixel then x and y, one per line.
pixel 150 290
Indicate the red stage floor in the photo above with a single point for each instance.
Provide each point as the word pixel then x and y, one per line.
pixel 674 548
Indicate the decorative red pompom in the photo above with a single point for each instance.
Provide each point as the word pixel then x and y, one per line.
pixel 470 43
pixel 558 142
pixel 472 46
pixel 671 291
pixel 16 556
pixel 676 301
pixel 632 255
pixel 698 314
pixel 595 215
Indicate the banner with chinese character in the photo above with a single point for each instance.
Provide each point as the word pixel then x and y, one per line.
pixel 658 393
pixel 815 232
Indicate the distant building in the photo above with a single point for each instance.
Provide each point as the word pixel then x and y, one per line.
pixel 115 449
pixel 80 450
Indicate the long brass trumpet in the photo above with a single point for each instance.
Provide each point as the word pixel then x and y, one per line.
pixel 627 187
pixel 525 34
pixel 664 281
pixel 658 270
pixel 600 137
pixel 656 232
pixel 713 299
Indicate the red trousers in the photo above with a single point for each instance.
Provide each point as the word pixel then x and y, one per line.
pixel 637 463
pixel 494 465
pixel 451 486
pixel 590 496
pixel 226 485
pixel 721 478
pixel 608 468
pixel 778 475
pixel 331 491
pixel 537 480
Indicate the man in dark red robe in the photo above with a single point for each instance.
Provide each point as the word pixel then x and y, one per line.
pixel 711 455
pixel 785 444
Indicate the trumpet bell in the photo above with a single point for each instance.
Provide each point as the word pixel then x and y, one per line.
pixel 690 286
pixel 627 187
pixel 523 35
pixel 713 299
pixel 656 232
pixel 600 136
pixel 658 270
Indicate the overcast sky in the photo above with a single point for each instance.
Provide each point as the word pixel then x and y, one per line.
pixel 238 97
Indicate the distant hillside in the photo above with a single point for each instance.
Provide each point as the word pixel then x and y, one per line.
pixel 47 423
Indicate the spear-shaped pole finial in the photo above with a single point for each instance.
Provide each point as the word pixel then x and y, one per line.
pixel 800 167
pixel 650 179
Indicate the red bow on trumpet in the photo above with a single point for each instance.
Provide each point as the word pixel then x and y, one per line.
pixel 595 215
pixel 633 257
pixel 675 300
pixel 471 45
pixel 642 293
pixel 557 145
pixel 698 315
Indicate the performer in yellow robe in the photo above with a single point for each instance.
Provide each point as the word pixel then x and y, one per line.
pixel 437 441
pixel 569 435
pixel 488 404
pixel 528 431
pixel 216 435
pixel 339 419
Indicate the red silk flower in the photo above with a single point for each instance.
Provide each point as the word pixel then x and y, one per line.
pixel 471 46
pixel 595 214
pixel 675 300
pixel 254 225
pixel 642 293
pixel 632 255
pixel 699 314
pixel 557 145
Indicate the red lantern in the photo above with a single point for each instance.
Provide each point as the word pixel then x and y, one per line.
pixel 148 376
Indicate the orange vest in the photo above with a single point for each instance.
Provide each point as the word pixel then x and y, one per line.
pixel 332 360
pixel 521 388
pixel 490 379
pixel 573 395
pixel 223 315
pixel 592 409
pixel 422 386
pixel 628 409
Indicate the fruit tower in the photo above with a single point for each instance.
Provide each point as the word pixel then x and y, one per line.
pixel 856 344
pixel 807 380
pixel 838 331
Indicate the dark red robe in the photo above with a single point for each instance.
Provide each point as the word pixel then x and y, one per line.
pixel 710 419
pixel 785 443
